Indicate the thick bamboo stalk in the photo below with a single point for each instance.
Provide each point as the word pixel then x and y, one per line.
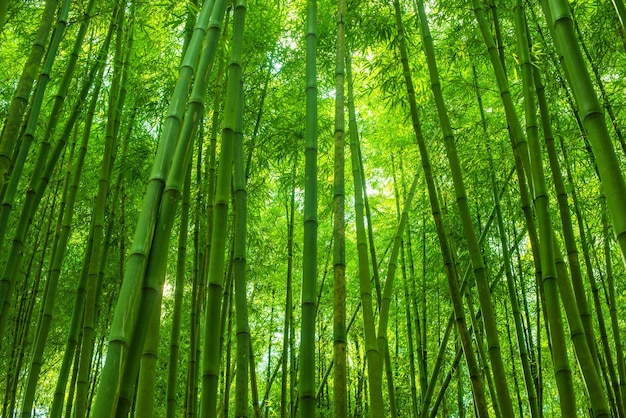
pixel 127 306
pixel 287 324
pixel 559 18
pixel 153 281
pixel 239 261
pixel 306 367
pixel 211 353
pixel 340 384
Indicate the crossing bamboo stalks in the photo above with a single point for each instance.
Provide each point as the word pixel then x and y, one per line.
pixel 55 271
pixel 99 237
pixel 38 185
pixel 519 328
pixel 153 282
pixel 451 273
pixel 548 267
pixel 10 135
pixel 480 275
pixel 582 347
pixel 33 117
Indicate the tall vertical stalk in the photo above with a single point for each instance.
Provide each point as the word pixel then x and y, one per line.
pixel 212 347
pixel 372 353
pixel 239 259
pixel 339 232
pixel 173 357
pixel 306 367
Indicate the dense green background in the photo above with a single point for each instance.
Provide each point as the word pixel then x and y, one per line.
pixel 141 66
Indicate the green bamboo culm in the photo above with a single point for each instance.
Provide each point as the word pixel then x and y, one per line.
pixel 480 275
pixel 203 251
pixel 4 8
pixel 173 357
pixel 571 246
pixel 610 283
pixel 212 346
pixel 372 355
pixel 126 310
pixel 591 113
pixel 239 256
pixel 339 231
pixel 152 290
pixel 100 239
pixel 566 218
pixel 72 337
pixel 306 367
pixel 287 324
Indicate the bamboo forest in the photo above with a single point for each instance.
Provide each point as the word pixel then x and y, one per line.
pixel 312 208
